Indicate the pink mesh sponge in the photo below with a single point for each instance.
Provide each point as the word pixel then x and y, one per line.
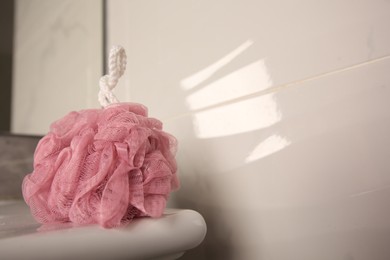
pixel 102 166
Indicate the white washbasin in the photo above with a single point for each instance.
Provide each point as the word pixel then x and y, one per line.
pixel 167 237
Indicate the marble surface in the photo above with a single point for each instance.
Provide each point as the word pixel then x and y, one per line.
pixel 16 160
pixel 57 61
pixel 163 238
pixel 282 114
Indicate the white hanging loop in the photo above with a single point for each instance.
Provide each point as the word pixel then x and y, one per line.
pixel 116 68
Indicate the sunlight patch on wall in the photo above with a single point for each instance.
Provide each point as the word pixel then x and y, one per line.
pixel 249 79
pixel 267 147
pixel 240 117
pixel 199 77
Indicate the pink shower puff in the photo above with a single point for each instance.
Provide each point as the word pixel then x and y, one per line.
pixel 102 166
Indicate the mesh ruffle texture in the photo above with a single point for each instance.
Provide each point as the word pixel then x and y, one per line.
pixel 102 166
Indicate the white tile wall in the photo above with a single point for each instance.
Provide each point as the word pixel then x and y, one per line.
pixel 57 61
pixel 282 113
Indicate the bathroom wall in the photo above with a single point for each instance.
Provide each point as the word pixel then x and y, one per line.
pixel 57 61
pixel 282 113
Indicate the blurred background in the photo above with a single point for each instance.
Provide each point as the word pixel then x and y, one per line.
pixel 281 109
pixel 6 47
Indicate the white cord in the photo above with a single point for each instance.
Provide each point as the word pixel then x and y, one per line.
pixel 116 68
